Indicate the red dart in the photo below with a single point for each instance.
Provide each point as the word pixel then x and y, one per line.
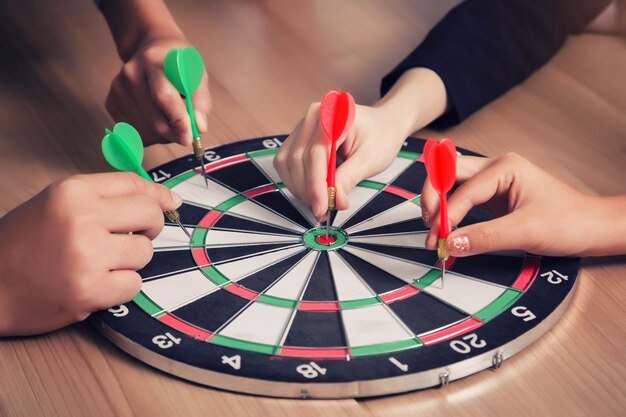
pixel 336 116
pixel 440 161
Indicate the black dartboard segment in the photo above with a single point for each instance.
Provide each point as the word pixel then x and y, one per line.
pixel 255 303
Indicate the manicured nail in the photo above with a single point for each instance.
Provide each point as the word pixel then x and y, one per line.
pixel 458 246
pixel 176 198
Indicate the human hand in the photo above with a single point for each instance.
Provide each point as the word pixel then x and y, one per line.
pixel 142 96
pixel 368 149
pixel 66 252
pixel 538 213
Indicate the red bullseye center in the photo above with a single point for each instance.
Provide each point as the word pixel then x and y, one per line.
pixel 323 240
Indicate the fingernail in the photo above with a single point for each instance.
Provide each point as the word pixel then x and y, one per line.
pixel 176 198
pixel 458 246
pixel 201 121
pixel 317 211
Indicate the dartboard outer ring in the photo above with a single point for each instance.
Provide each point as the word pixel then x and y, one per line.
pixel 516 325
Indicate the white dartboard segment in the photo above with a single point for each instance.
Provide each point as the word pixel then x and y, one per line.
pixel 397 167
pixel 348 284
pixel 259 213
pixel 409 240
pixel 175 291
pixel 404 270
pixel 241 268
pixel 266 164
pixel 221 238
pixel 292 283
pixel 195 191
pixel 171 237
pixel 358 197
pixel 373 325
pixel 259 323
pixel 466 294
pixel 402 212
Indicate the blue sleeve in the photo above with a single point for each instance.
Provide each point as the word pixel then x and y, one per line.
pixel 482 48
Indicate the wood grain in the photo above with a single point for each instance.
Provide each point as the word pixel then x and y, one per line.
pixel 268 60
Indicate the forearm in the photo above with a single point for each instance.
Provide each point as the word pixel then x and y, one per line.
pixel 134 21
pixel 609 216
pixel 416 99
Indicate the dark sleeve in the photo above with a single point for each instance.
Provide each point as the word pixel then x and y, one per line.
pixel 482 48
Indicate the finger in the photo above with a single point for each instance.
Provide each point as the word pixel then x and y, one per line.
pixel 202 104
pixel 509 232
pixel 119 184
pixel 317 165
pixel 117 287
pixel 136 213
pixel 353 170
pixel 280 160
pixel 129 251
pixel 493 180
pixel 173 107
pixel 429 202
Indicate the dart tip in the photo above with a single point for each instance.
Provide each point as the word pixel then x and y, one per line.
pixel 184 229
pixel 206 181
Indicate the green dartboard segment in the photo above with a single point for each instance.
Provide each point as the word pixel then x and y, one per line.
pixel 184 68
pixel 123 149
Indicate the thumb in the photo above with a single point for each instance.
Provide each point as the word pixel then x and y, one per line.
pixel 349 174
pixel 503 233
pixel 202 104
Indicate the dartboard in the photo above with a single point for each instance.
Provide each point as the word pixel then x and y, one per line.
pixel 259 301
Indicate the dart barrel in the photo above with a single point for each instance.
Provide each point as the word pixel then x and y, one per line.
pixel 198 148
pixel 332 192
pixel 442 252
pixel 173 216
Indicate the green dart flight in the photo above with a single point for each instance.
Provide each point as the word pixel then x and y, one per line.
pixel 123 150
pixel 184 68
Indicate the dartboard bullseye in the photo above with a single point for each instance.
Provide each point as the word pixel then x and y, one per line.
pixel 260 300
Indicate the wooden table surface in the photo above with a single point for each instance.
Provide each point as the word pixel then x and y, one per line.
pixel 268 60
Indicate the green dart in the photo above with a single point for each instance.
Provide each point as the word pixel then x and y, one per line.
pixel 184 68
pixel 123 150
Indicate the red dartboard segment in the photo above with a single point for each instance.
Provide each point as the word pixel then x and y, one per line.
pixel 528 274
pixel 186 328
pixel 451 332
pixel 399 294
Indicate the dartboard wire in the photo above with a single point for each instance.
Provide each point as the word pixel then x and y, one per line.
pixel 376 195
pixel 249 303
pixel 425 265
pixel 251 232
pixel 242 194
pixel 375 294
pixel 179 271
pixel 170 273
pixel 343 324
pixel 433 296
pixel 182 245
pixel 304 215
pixel 382 213
pixel 227 283
pixel 240 216
pixel 300 295
pixel 356 239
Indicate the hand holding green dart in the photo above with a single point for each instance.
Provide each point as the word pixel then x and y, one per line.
pixel 123 150
pixel 184 68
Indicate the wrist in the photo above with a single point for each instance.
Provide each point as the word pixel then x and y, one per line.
pixel 608 216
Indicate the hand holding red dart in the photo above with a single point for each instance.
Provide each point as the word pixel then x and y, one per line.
pixel 440 161
pixel 337 112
